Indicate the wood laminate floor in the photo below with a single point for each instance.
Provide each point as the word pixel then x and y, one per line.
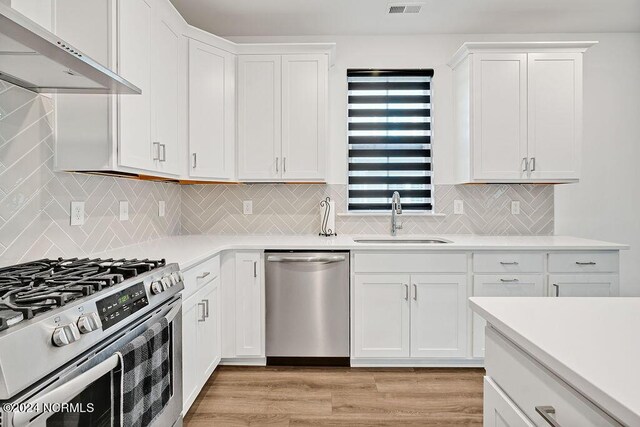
pixel 277 396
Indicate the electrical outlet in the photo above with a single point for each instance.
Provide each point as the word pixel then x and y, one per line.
pixel 515 207
pixel 458 207
pixel 77 213
pixel 247 207
pixel 124 210
pixel 161 208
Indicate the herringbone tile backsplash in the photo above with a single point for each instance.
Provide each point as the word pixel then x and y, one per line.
pixel 294 209
pixel 35 200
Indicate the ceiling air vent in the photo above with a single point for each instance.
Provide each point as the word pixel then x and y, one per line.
pixel 402 8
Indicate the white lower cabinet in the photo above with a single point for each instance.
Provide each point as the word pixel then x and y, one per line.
pixel 583 285
pixel 249 323
pixel 402 315
pixel 381 316
pixel 499 410
pixel 487 285
pixel 201 349
pixel 438 315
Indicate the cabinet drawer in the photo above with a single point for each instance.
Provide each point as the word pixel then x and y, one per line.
pixel 583 262
pixel 530 385
pixel 199 275
pixel 408 262
pixel 508 262
pixel 499 410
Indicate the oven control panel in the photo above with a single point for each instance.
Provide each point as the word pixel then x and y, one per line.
pixel 120 305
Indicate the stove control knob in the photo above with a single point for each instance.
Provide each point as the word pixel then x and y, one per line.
pixel 89 322
pixel 176 278
pixel 166 283
pixel 180 276
pixel 156 288
pixel 64 335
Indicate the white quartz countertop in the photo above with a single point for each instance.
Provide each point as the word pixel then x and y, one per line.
pixel 189 250
pixel 593 344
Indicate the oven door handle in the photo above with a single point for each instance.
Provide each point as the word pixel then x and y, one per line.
pixel 67 391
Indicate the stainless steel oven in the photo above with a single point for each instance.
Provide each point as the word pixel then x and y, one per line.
pixel 86 391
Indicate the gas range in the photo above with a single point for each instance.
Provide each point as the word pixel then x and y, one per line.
pixel 53 311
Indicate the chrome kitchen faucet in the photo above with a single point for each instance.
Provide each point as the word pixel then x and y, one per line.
pixel 396 209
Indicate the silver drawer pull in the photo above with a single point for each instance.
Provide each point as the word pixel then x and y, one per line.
pixel 323 259
pixel 203 275
pixel 509 280
pixel 406 292
pixel 509 263
pixel 585 263
pixel 546 413
pixel 557 287
pixel 255 269
pixel 204 316
pixel 206 308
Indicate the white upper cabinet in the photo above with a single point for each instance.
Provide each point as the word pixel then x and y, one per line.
pixel 282 117
pixel 555 115
pixel 211 112
pixel 259 115
pixel 135 23
pixel 518 111
pixel 304 116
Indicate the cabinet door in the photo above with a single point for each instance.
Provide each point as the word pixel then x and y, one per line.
pixel 249 317
pixel 499 410
pixel 438 315
pixel 164 95
pixel 259 117
pixel 211 111
pixel 555 115
pixel 135 149
pixel 381 318
pixel 193 315
pixel 304 116
pixel 499 116
pixel 517 285
pixel 209 346
pixel 584 285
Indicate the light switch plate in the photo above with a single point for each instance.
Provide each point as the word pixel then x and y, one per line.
pixel 247 207
pixel 124 210
pixel 458 207
pixel 77 213
pixel 161 208
pixel 515 207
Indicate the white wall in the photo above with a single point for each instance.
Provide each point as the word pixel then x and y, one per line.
pixel 604 205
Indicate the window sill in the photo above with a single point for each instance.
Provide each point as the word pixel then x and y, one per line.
pixel 411 214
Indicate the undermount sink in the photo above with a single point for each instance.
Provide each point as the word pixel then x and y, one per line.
pixel 405 241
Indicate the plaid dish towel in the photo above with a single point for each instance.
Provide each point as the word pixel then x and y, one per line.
pixel 146 382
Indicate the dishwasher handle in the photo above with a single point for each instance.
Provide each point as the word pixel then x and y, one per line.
pixel 319 259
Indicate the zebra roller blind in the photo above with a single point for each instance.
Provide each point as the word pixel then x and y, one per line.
pixel 389 139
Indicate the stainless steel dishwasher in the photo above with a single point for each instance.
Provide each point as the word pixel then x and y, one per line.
pixel 307 310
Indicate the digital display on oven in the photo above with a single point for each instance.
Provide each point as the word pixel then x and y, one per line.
pixel 122 304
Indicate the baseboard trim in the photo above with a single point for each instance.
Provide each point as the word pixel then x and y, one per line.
pixel 416 363
pixel 244 361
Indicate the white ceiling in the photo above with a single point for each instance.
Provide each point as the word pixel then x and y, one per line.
pixel 367 17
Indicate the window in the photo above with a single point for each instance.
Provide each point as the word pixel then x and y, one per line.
pixel 389 139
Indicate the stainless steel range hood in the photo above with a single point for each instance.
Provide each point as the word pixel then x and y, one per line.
pixel 38 60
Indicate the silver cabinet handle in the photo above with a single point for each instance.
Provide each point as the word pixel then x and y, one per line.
pixel 546 413
pixel 206 308
pixel 406 292
pixel 284 164
pixel 156 147
pixel 585 263
pixel 415 292
pixel 557 289
pixel 195 160
pixel 525 164
pixel 163 157
pixel 326 260
pixel 509 263
pixel 201 304
pixel 532 164
pixel 68 390
pixel 255 269
pixel 509 280
pixel 277 161
pixel 203 275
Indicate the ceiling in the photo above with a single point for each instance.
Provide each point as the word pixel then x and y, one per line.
pixel 367 17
